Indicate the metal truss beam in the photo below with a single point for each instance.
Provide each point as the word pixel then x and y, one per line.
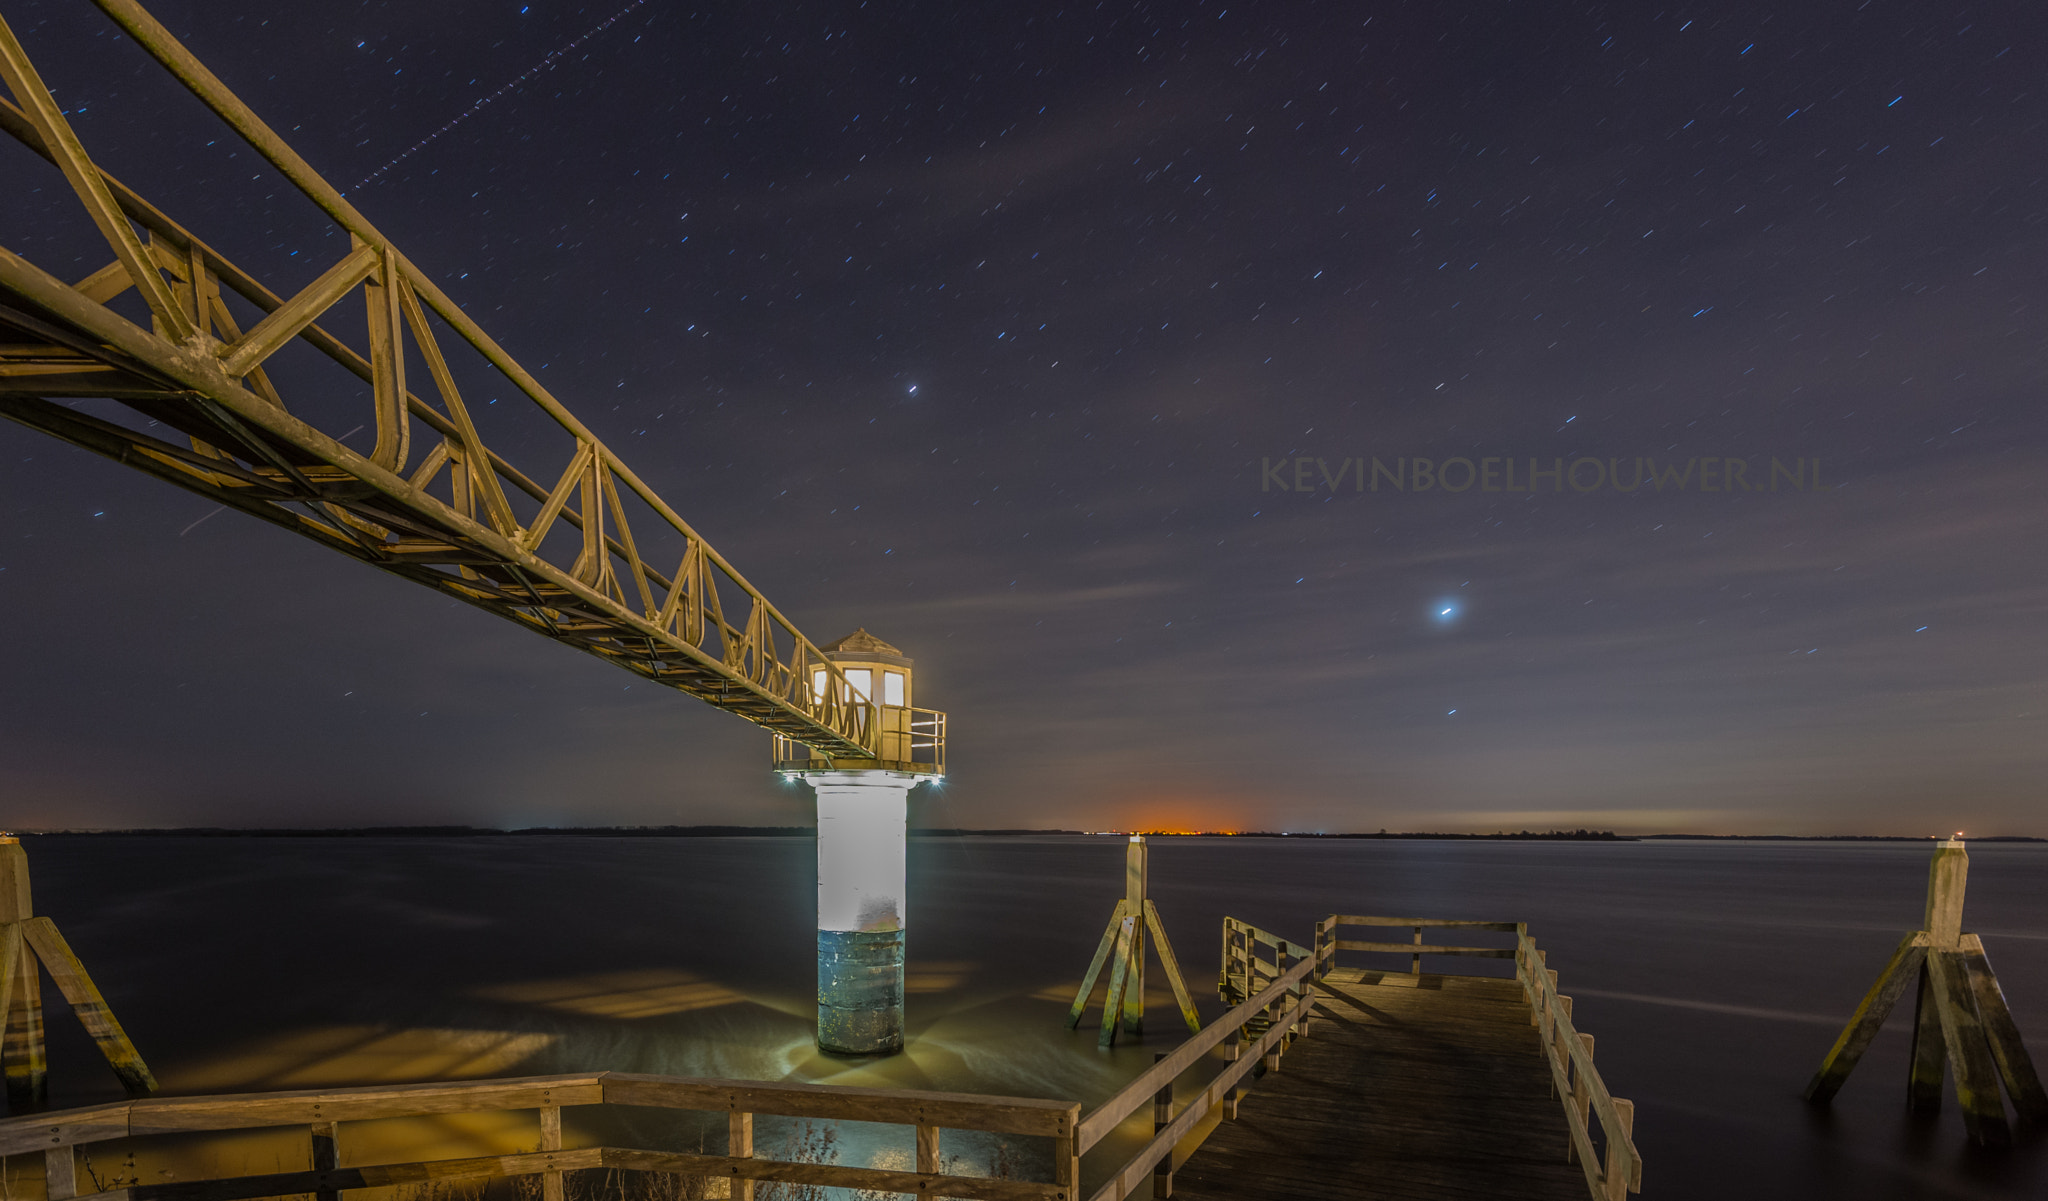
pixel 432 501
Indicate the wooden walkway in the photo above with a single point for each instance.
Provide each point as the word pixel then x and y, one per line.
pixel 1371 1085
pixel 1406 1087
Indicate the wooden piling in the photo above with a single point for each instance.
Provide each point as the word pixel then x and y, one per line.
pixel 1930 1054
pixel 1122 949
pixel 1172 966
pixel 1136 883
pixel 93 1012
pixel 21 1044
pixel 1947 873
pixel 1119 974
pixel 1080 1005
pixel 28 944
pixel 1969 1051
pixel 1961 1023
pixel 2015 1069
pixel 1902 970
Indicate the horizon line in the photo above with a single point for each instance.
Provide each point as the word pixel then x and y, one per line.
pixel 739 831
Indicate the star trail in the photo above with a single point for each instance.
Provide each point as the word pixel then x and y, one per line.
pixel 534 72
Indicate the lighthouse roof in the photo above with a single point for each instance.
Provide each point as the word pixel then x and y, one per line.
pixel 861 645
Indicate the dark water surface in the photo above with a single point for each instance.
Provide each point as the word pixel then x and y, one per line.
pixel 1714 975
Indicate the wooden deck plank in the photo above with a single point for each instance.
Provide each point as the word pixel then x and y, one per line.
pixel 1406 1087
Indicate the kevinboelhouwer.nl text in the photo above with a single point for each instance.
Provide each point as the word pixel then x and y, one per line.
pixel 1510 474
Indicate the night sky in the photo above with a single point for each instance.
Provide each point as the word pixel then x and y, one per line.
pixel 992 329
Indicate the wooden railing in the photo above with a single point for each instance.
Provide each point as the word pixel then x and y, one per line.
pixel 1255 1032
pixel 1244 969
pixel 1610 1175
pixel 1573 1077
pixel 59 1136
pixel 1327 942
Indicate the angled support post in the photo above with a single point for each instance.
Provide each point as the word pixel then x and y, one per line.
pixel 1123 949
pixel 2015 1068
pixel 1961 1023
pixel 1109 938
pixel 26 939
pixel 1119 982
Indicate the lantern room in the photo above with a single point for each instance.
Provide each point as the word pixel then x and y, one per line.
pixel 877 677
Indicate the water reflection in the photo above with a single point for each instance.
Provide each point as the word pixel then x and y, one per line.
pixel 624 995
pixel 334 1056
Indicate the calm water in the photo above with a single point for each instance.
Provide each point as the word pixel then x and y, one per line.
pixel 1714 975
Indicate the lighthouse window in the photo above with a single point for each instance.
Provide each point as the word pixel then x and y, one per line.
pixel 892 687
pixel 863 682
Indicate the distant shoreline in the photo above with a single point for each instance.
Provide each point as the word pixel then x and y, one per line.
pixel 948 832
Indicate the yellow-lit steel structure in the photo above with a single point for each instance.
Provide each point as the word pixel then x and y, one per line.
pixel 550 546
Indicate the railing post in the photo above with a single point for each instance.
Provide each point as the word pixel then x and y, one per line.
pixel 1223 972
pixel 927 1149
pixel 551 1140
pixel 1582 1095
pixel 739 1143
pixel 1273 1009
pixel 1283 1004
pixel 1162 1117
pixel 1233 966
pixel 1415 961
pixel 1553 1034
pixel 1523 974
pixel 60 1174
pixel 1308 1004
pixel 1617 1142
pixel 1274 1013
pixel 1066 1167
pixel 326 1139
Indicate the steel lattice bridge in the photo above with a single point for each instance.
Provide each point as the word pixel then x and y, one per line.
pixel 546 544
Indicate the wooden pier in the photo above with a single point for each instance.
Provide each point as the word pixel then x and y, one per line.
pixel 1422 1086
pixel 1394 1085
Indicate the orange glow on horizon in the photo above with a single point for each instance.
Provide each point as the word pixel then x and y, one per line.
pixel 1181 814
